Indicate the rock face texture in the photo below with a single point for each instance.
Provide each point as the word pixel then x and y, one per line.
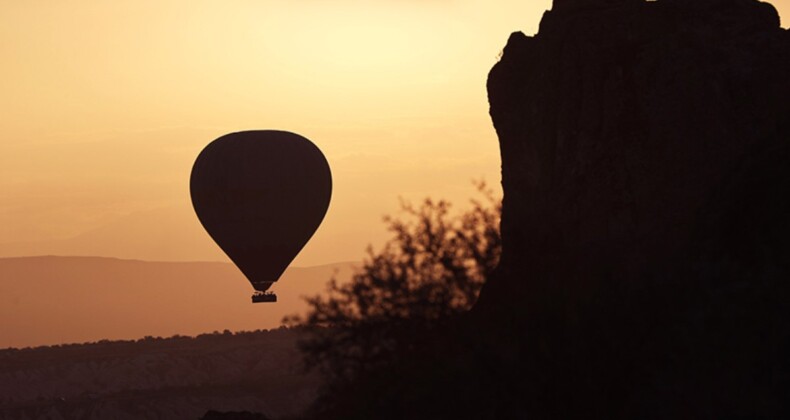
pixel 646 225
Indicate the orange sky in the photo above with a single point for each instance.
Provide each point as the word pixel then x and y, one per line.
pixel 106 104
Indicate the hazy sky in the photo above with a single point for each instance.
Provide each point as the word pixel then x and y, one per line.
pixel 106 104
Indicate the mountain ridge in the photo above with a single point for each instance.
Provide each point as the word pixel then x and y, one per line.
pixel 47 300
pixel 120 259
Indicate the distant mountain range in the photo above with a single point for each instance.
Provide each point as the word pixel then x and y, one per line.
pixel 163 234
pixel 175 234
pixel 52 300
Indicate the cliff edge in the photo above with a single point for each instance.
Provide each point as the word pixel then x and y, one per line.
pixel 646 226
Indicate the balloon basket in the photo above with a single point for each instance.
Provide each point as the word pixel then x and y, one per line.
pixel 264 297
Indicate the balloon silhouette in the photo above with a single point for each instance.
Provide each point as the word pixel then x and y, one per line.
pixel 261 195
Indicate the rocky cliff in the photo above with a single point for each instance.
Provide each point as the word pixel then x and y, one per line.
pixel 646 237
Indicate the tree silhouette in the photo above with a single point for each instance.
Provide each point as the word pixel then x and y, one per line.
pixel 431 270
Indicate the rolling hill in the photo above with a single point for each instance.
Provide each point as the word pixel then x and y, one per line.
pixel 178 377
pixel 52 300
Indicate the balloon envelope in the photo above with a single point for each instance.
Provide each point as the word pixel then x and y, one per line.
pixel 261 195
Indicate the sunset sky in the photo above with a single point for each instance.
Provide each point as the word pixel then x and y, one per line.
pixel 106 104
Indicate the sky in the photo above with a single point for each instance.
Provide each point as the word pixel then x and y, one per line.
pixel 106 105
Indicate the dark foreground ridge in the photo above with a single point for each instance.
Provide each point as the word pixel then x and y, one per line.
pixel 646 243
pixel 220 375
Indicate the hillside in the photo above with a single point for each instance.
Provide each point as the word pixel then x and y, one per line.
pixel 54 300
pixel 178 377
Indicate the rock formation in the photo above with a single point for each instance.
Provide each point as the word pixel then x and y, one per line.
pixel 646 226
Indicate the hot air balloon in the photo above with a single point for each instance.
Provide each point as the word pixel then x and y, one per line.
pixel 261 195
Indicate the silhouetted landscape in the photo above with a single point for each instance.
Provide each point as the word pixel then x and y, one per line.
pixel 635 267
pixel 153 377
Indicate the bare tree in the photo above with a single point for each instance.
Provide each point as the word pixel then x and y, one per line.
pixel 431 270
